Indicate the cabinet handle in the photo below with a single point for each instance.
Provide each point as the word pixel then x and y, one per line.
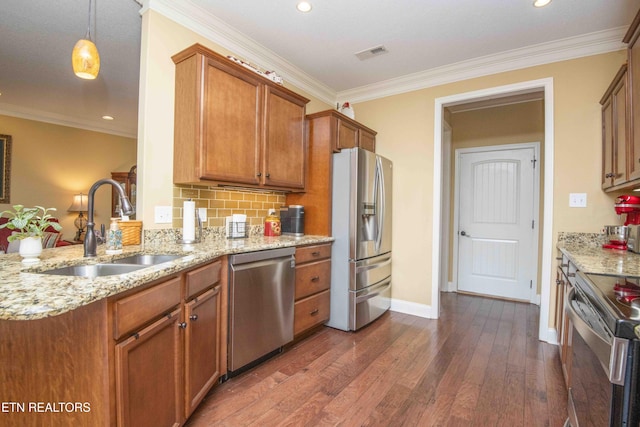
pixel 315 278
pixel 182 325
pixel 259 174
pixel 315 253
pixel 193 317
pixel 314 312
pixel 268 175
pixel 571 274
pixel 558 258
pixel 564 265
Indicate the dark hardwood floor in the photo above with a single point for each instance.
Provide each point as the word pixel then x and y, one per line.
pixel 480 364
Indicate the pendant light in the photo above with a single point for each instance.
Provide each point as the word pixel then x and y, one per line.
pixel 85 58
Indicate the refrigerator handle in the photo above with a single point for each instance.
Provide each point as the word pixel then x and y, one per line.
pixel 380 204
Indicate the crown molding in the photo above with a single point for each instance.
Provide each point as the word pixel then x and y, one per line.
pixel 185 13
pixel 62 120
pixel 544 53
pixel 212 28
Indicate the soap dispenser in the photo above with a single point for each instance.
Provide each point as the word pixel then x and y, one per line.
pixel 114 238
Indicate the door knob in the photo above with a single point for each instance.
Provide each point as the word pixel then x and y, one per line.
pixel 464 233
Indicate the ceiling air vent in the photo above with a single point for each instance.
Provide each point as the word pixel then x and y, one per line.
pixel 371 52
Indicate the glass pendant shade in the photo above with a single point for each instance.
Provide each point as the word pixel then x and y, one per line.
pixel 85 59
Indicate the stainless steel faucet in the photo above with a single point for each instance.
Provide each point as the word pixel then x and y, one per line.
pixel 125 205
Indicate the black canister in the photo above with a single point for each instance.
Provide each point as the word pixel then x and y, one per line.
pixel 292 220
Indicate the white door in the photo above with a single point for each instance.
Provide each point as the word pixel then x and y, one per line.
pixel 496 253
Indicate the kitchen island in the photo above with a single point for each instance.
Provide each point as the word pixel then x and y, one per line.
pixel 125 349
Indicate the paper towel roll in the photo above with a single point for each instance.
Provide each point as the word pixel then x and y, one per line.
pixel 189 220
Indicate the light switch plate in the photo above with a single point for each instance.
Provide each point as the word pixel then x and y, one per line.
pixel 578 200
pixel 163 214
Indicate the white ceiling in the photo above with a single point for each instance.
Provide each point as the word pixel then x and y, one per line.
pixel 315 51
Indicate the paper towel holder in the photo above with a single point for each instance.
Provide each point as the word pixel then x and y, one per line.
pixel 198 237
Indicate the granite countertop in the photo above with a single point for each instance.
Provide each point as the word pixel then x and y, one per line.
pixel 27 295
pixel 590 257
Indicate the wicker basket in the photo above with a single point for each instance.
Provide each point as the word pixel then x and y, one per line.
pixel 131 232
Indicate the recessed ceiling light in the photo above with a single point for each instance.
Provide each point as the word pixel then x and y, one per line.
pixel 304 6
pixel 541 3
pixel 107 117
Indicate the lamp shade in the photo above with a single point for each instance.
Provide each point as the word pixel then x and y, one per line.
pixel 85 59
pixel 79 203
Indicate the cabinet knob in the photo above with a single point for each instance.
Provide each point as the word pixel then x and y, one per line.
pixel 268 175
pixel 182 325
pixel 259 174
pixel 193 317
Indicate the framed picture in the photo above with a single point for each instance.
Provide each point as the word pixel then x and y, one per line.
pixel 5 168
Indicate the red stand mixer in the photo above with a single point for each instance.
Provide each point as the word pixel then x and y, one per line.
pixel 619 235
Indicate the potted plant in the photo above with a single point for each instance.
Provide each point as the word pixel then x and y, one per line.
pixel 30 224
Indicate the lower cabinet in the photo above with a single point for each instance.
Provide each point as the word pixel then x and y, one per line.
pixel 313 283
pixel 167 351
pixel 202 347
pixel 148 386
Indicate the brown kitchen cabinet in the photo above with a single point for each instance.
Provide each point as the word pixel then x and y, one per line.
pixel 565 281
pixel 328 132
pixel 633 104
pixel 202 317
pixel 615 132
pixel 235 127
pixel 313 283
pixel 148 378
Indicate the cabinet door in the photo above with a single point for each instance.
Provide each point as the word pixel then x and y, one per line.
pixel 607 144
pixel 148 375
pixel 285 145
pixel 367 140
pixel 634 116
pixel 202 347
pixel 347 135
pixel 619 103
pixel 231 125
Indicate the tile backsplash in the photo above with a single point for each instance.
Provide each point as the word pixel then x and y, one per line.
pixel 222 202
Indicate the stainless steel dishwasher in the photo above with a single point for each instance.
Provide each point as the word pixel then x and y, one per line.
pixel 261 299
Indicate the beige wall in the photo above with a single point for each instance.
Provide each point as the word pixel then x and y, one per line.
pixel 51 163
pixel 405 134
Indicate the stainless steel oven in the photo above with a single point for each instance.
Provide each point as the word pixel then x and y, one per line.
pixel 603 356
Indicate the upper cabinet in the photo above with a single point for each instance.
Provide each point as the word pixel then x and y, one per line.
pixel 621 120
pixel 615 132
pixel 343 131
pixel 233 126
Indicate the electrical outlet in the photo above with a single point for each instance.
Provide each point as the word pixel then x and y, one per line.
pixel 163 214
pixel 578 200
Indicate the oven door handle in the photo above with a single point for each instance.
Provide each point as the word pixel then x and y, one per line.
pixel 611 354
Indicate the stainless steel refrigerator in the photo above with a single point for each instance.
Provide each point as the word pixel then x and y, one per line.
pixel 361 226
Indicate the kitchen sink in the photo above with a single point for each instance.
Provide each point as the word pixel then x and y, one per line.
pixel 117 266
pixel 94 270
pixel 146 260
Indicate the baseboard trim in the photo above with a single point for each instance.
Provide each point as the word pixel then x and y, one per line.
pixel 413 308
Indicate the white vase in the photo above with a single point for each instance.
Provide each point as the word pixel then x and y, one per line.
pixel 30 249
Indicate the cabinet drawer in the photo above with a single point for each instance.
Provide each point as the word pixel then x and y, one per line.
pixel 313 253
pixel 136 310
pixel 202 278
pixel 312 278
pixel 311 311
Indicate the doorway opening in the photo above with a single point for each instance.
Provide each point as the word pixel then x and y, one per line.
pixel 442 146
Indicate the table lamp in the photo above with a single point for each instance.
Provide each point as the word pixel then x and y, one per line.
pixel 79 204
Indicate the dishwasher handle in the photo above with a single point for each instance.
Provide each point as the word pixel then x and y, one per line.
pixel 248 257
